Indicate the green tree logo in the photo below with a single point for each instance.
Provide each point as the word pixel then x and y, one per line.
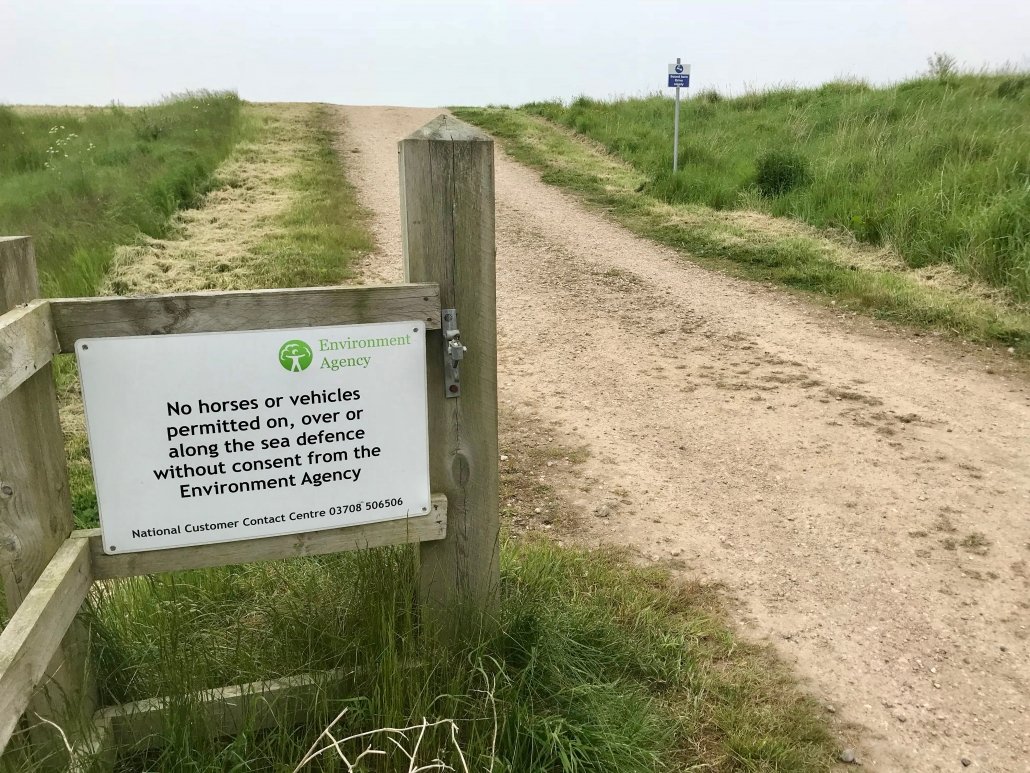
pixel 295 356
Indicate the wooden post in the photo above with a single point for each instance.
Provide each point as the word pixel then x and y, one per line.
pixel 36 513
pixel 447 221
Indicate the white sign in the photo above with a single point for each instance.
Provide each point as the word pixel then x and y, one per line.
pixel 214 437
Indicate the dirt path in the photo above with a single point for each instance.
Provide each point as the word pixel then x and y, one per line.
pixel 865 496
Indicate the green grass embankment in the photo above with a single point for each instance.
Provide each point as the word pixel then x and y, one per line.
pixel 918 194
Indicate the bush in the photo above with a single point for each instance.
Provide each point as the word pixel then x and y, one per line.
pixel 779 171
pixel 942 66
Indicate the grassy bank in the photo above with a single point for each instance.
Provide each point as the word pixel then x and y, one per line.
pixel 748 243
pixel 81 181
pixel 590 665
pixel 938 167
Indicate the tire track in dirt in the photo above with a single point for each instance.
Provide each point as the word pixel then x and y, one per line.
pixel 865 496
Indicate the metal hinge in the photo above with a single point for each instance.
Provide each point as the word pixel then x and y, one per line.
pixel 453 352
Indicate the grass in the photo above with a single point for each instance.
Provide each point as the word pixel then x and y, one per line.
pixel 81 181
pixel 744 242
pixel 589 665
pixel 938 167
pixel 325 229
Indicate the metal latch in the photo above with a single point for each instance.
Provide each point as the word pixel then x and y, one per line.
pixel 453 352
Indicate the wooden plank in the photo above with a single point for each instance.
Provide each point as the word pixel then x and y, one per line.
pixel 19 280
pixel 207 312
pixel 35 507
pixel 420 528
pixel 447 221
pixel 224 711
pixel 33 635
pixel 27 343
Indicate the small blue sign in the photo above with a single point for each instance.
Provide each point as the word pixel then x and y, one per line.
pixel 679 81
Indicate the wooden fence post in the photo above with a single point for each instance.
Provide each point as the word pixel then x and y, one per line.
pixel 35 512
pixel 447 221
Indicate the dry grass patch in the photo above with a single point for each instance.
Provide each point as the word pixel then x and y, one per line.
pixel 215 247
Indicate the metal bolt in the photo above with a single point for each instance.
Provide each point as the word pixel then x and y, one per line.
pixel 112 547
pixel 6 490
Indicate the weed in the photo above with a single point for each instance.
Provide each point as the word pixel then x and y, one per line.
pixel 942 66
pixel 976 542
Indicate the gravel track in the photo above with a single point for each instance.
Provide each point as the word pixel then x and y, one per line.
pixel 862 493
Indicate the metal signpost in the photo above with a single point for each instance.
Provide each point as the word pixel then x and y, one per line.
pixel 679 76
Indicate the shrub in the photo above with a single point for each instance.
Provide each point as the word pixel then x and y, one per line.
pixel 779 171
pixel 942 66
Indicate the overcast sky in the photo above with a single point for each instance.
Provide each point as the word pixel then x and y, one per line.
pixel 447 52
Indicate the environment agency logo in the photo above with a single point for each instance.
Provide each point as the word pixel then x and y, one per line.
pixel 295 356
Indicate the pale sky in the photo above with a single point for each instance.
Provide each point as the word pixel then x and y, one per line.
pixel 450 52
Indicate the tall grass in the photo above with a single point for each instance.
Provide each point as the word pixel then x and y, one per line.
pixel 937 167
pixel 81 181
pixel 589 666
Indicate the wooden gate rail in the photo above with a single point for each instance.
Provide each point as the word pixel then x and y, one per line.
pixel 27 343
pixel 33 333
pixel 33 634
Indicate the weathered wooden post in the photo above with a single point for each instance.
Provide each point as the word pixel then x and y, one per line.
pixel 35 510
pixel 447 221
